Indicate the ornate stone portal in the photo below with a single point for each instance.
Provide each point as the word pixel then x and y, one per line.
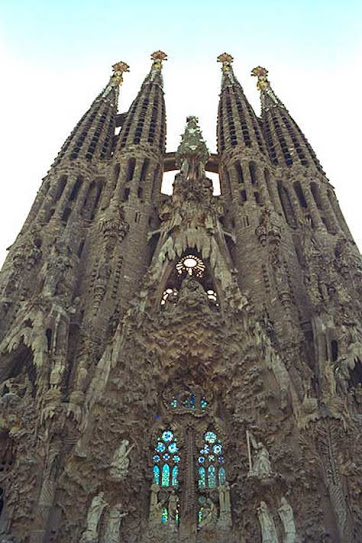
pixel 182 368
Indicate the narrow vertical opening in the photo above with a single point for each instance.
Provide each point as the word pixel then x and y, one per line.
pixel 316 195
pixel 334 350
pixel 300 195
pixel 80 248
pixel 239 172
pixel 49 335
pixel 130 169
pixel 125 196
pixel 76 188
pixel 286 205
pixel 60 188
pixel 252 170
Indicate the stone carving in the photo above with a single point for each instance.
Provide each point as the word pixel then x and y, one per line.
pixel 120 462
pixel 225 506
pixel 55 269
pixel 261 466
pixel 113 524
pixel 98 504
pixel 287 517
pixel 156 506
pixel 267 526
pixel 208 514
pixel 192 296
pixel 192 153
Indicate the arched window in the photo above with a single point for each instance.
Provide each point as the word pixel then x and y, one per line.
pixel 211 462
pixel 166 460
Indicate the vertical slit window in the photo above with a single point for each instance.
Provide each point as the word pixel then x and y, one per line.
pixel 60 188
pixel 286 205
pixel 299 192
pixel 130 169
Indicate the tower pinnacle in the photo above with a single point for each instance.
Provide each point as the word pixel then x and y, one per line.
pixel 192 153
pixel 116 79
pixel 226 68
pixel 263 85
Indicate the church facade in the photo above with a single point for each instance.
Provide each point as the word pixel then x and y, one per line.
pixel 183 368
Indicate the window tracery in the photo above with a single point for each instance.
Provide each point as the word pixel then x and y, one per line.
pixel 191 265
pixel 191 400
pixel 166 460
pixel 211 461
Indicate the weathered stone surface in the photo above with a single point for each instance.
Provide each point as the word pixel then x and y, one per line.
pixel 219 336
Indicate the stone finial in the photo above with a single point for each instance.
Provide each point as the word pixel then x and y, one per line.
pixel 158 57
pixel 226 61
pixel 118 70
pixel 262 75
pixel 192 153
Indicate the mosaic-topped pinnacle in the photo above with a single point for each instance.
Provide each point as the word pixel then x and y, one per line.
pixel 119 68
pixel 158 57
pixel 226 61
pixel 262 75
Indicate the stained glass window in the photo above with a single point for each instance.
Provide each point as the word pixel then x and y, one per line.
pixel 165 475
pixel 211 470
pixel 166 458
pixel 174 476
pixel 202 478
pixel 156 475
pixel 189 400
pixel 164 516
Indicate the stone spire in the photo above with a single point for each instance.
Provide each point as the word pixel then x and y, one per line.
pixel 238 126
pixel 146 119
pixel 286 142
pixel 192 153
pixel 92 136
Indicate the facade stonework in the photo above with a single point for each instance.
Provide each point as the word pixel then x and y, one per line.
pixel 182 368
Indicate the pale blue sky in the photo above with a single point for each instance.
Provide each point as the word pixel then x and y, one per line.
pixel 56 56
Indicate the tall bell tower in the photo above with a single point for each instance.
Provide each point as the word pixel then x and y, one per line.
pixel 183 368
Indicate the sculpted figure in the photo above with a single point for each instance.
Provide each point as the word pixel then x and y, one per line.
pixel 172 506
pixel 155 505
pixel 287 517
pixel 225 506
pixel 114 524
pixel 120 462
pixel 262 465
pixel 55 269
pixel 94 514
pixel 267 526
pixel 209 514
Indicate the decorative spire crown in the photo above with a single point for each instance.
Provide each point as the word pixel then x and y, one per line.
pixel 263 85
pixel 118 70
pixel 262 75
pixel 158 57
pixel 226 68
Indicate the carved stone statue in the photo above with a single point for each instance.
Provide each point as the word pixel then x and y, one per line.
pixel 267 526
pixel 209 514
pixel 156 506
pixel 90 535
pixel 261 467
pixel 287 517
pixel 113 524
pixel 120 462
pixel 172 506
pixel 225 506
